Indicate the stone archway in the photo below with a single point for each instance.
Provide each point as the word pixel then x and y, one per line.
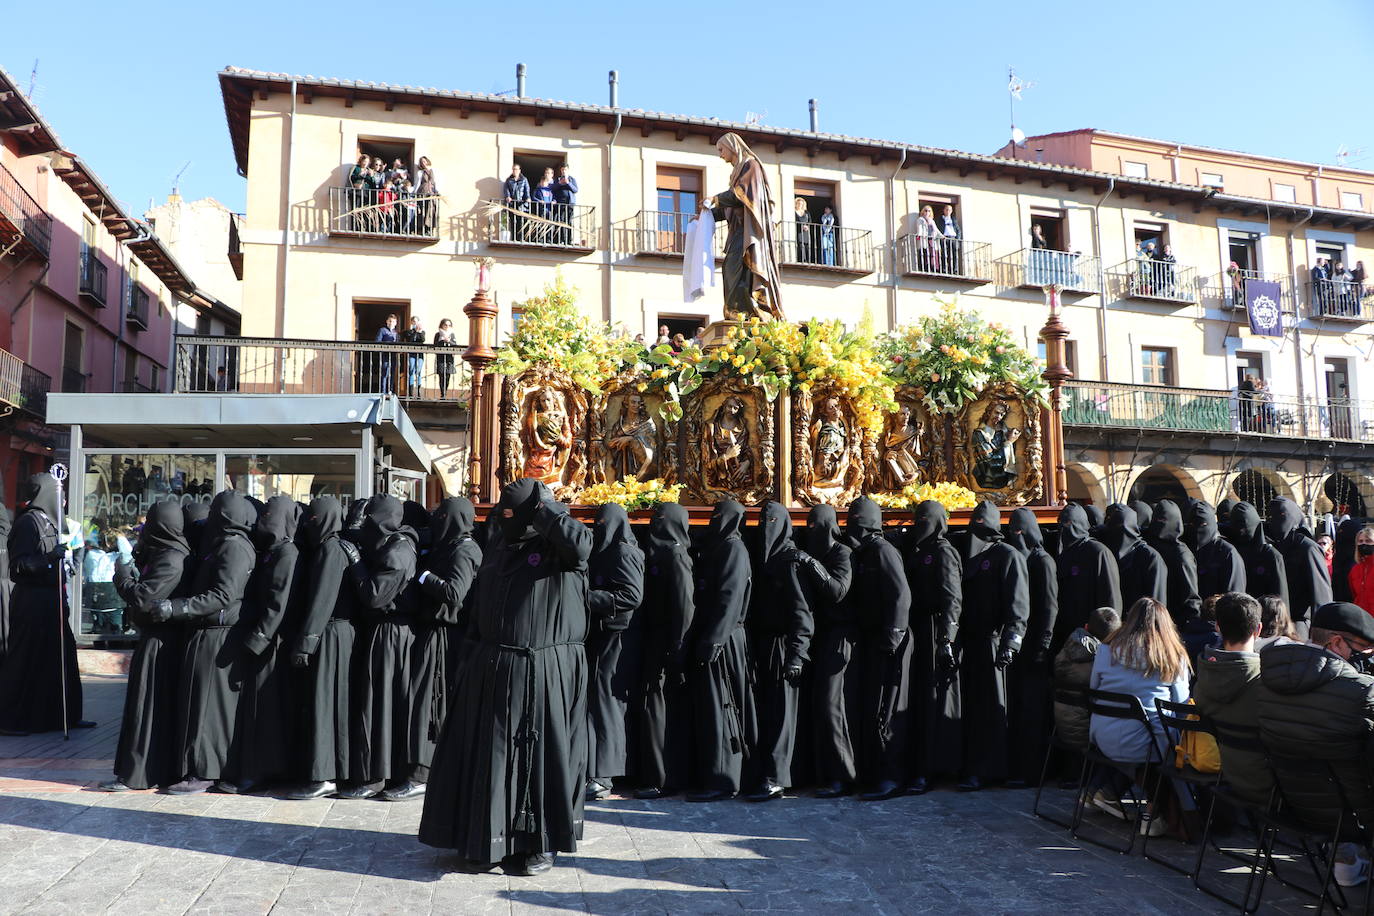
pixel 1164 481
pixel 1083 485
pixel 1347 494
pixel 1259 487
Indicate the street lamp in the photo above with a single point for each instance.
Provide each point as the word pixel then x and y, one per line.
pixel 481 312
pixel 1056 373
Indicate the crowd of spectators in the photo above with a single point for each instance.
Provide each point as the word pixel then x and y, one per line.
pixel 551 206
pixel 392 199
pixel 1337 290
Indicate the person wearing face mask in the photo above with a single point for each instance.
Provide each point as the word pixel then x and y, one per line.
pixel 996 607
pixel 1029 678
pixel 1142 570
pixel 510 772
pixel 825 571
pixel 1220 568
pixel 1265 573
pixel 1315 702
pixel 616 570
pixel 1309 579
pixel 723 716
pixel 1361 575
pixel 1088 577
pixel 934 575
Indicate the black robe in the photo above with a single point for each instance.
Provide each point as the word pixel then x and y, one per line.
pixel 144 757
pixel 322 650
pixel 449 569
pixel 826 572
pixel 1088 577
pixel 666 617
pixel 934 574
pixel 1265 572
pixel 724 722
pixel 1028 693
pixel 1309 581
pixel 616 575
pixel 1142 570
pixel 510 772
pixel 388 745
pixel 996 607
pixel 780 629
pixel 212 671
pixel 1343 559
pixel 1165 535
pixel 271 611
pixel 38 674
pixel 1220 568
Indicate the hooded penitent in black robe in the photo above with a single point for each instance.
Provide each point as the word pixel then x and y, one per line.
pixel 1165 535
pixel 6 586
pixel 144 757
pixel 666 618
pixel 1304 565
pixel 1028 692
pixel 1142 570
pixel 780 628
pixel 996 607
pixel 935 574
pixel 212 672
pixel 1343 559
pixel 271 611
pixel 825 572
pixel 1144 514
pixel 1224 509
pixel 615 574
pixel 725 726
pixel 510 772
pixel 388 746
pixel 1097 521
pixel 42 650
pixel 449 569
pixel 1088 576
pixel 1265 573
pixel 322 650
pixel 1220 568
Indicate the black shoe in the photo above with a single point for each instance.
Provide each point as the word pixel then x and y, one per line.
pixel 404 792
pixel 834 790
pixel 918 786
pixel 529 865
pixel 84 723
pixel 649 793
pixel 767 792
pixel 367 790
pixel 970 784
pixel 190 786
pixel 596 790
pixel 312 790
pixel 226 787
pixel 709 795
pixel 476 866
pixel 113 785
pixel 886 789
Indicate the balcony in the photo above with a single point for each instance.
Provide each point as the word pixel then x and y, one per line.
pixel 137 313
pixel 564 227
pixel 1227 289
pixel 23 223
pixel 414 372
pixel 1340 300
pixel 376 214
pixel 1207 411
pixel 837 249
pixel 93 277
pixel 22 386
pixel 1033 268
pixel 939 256
pixel 235 251
pixel 1153 281
pixel 663 233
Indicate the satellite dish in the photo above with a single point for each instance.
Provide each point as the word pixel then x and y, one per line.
pixel 1018 136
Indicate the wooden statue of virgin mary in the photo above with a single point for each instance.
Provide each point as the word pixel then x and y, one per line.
pixel 751 266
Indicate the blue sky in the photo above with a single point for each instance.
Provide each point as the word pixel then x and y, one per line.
pixel 132 89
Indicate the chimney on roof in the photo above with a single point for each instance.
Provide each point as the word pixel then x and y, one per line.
pixel 615 89
pixel 519 81
pixel 815 117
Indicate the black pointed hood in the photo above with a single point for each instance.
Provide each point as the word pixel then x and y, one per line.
pixel 727 518
pixel 865 519
pixel 1224 510
pixel 984 528
pixel 231 516
pixel 1247 531
pixel 521 498
pixel 1285 522
pixel 612 527
pixel 451 521
pixel 1097 520
pixel 775 533
pixel 930 522
pixel 276 524
pixel 40 492
pixel 322 521
pixel 416 517
pixel 164 528
pixel 1144 515
pixel 1203 528
pixel 1074 527
pixel 822 530
pixel 670 528
pixel 1121 531
pixel 193 518
pixel 1167 525
pixel 385 516
pixel 1023 531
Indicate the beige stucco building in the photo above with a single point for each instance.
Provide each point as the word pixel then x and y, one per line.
pixel 1158 348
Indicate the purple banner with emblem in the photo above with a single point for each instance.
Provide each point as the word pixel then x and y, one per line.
pixel 1262 298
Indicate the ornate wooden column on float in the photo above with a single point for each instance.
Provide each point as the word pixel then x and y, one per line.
pixel 479 355
pixel 1056 373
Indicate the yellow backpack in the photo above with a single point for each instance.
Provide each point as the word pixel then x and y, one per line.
pixel 1197 750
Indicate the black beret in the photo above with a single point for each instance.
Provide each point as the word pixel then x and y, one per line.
pixel 1344 617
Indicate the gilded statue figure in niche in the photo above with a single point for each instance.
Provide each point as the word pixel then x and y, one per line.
pixel 729 466
pixel 546 435
pixel 630 444
pixel 829 444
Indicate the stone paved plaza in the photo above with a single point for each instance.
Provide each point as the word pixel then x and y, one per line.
pixel 67 849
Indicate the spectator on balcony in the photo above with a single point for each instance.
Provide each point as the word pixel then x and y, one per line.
pixel 1245 399
pixel 415 362
pixel 515 194
pixel 542 206
pixel 426 188
pixel 679 343
pixel 409 211
pixel 699 337
pixel 1039 255
pixel 1343 282
pixel 359 181
pixel 1357 276
pixel 664 336
pixel 1268 420
pixel 1237 279
pixel 828 237
pixel 387 334
pixel 805 246
pixel 949 228
pixel 443 362
pixel 1321 285
pixel 565 199
pixel 1167 271
pixel 928 238
pixel 398 172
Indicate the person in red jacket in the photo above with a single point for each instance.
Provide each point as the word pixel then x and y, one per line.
pixel 1362 573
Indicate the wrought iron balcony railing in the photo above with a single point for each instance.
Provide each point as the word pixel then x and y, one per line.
pixel 1344 300
pixel 381 213
pixel 941 256
pixel 1227 289
pixel 21 218
pixel 93 277
pixel 1215 412
pixel 534 224
pixel 22 386
pixel 249 365
pixel 1153 280
pixel 1037 267
pixel 663 233
pixel 137 313
pixel 817 246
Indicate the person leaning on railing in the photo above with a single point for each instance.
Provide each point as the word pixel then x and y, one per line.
pixel 427 188
pixel 443 362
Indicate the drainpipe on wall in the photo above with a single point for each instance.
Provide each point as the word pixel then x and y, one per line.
pixel 1102 279
pixel 891 222
pixel 144 233
pixel 286 230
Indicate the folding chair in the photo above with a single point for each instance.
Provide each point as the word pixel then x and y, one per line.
pixel 1261 815
pixel 1119 706
pixel 1076 697
pixel 1178 718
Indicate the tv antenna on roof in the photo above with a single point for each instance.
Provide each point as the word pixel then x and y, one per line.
pixel 176 179
pixel 754 117
pixel 1343 155
pixel 1015 86
pixel 33 78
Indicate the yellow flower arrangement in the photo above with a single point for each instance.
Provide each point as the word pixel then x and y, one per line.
pixel 552 331
pixel 950 495
pixel 631 493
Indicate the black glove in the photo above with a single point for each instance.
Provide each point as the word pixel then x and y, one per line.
pixel 300 660
pixel 1005 656
pixel 812 566
pixel 351 551
pixel 944 658
pixel 708 653
pixel 792 672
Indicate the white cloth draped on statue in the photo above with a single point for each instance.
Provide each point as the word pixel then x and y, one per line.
pixel 698 262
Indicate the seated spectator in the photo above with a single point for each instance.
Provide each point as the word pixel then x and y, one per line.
pixel 1276 624
pixel 1361 576
pixel 1224 691
pixel 1314 703
pixel 1073 667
